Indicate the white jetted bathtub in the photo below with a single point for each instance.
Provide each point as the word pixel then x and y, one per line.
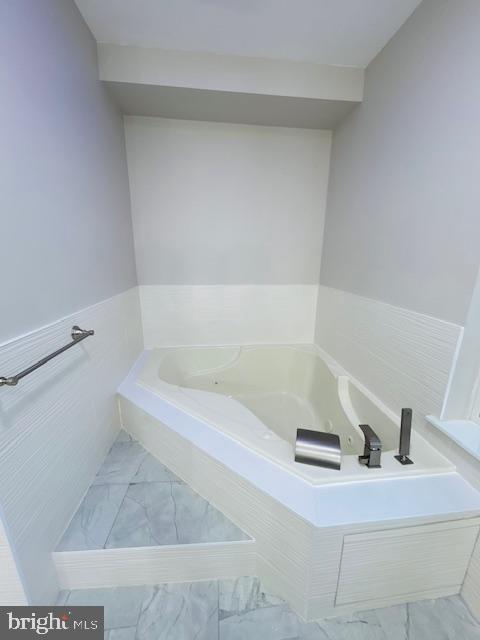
pixel 224 419
pixel 260 395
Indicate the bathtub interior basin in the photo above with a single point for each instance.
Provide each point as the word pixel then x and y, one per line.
pixel 261 395
pixel 286 388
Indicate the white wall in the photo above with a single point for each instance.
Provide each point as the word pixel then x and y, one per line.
pixel 400 253
pixel 216 203
pixel 402 218
pixel 66 238
pixel 228 224
pixel 402 222
pixel 66 250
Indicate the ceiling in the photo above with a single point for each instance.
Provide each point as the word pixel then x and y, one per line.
pixel 339 32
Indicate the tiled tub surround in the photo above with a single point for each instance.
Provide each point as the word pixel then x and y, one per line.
pixel 408 538
pixel 227 314
pixel 243 610
pixel 57 425
pixel 135 501
pixel 404 356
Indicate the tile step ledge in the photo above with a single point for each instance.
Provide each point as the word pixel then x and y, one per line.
pixel 465 433
pixel 122 567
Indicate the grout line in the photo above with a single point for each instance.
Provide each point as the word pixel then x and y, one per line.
pixel 116 516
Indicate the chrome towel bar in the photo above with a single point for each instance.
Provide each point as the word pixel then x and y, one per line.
pixel 77 336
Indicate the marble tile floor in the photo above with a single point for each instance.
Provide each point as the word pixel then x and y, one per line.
pixel 241 610
pixel 135 501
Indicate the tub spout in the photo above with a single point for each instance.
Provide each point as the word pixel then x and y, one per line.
pixel 373 448
pixel 318 448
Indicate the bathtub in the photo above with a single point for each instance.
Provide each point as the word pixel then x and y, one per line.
pixel 259 395
pixel 224 420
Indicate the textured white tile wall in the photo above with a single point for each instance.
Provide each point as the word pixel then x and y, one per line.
pixel 155 565
pixel 227 314
pixel 385 564
pixel 11 588
pixel 402 356
pixel 56 426
pixel 471 586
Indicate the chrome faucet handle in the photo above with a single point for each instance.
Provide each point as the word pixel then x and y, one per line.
pixel 373 448
pixel 372 441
